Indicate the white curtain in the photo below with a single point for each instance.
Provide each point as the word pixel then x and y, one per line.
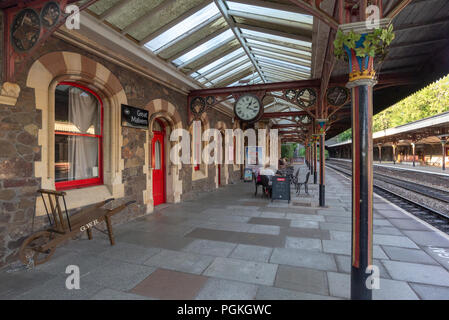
pixel 83 151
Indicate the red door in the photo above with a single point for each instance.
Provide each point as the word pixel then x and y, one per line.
pixel 158 164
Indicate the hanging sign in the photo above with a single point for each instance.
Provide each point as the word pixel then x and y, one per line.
pixel 134 117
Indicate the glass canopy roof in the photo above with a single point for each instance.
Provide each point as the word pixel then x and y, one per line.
pixel 219 43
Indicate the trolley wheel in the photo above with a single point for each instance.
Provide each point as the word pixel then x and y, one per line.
pixel 30 248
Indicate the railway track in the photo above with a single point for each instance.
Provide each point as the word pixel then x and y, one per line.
pixel 435 218
pixel 427 191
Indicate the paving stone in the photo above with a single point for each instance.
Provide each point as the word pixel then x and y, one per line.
pixel 303 258
pixel 270 221
pixel 428 292
pixel 397 241
pixel 278 215
pixel 167 284
pixel 129 253
pixel 241 270
pixel 439 254
pixel 344 265
pixel 420 273
pixel 306 233
pixel 110 294
pixel 211 248
pixel 86 263
pixel 427 238
pixel 229 218
pixel 303 243
pixel 16 283
pixel 55 289
pixel 302 279
pixel 340 235
pixel 273 293
pixel 344 247
pixel 408 224
pixel 118 275
pixel 388 212
pixel 252 253
pixel 274 230
pixel 304 217
pixel 304 224
pixel 387 230
pixel 408 255
pixel 150 240
pixel 340 284
pixel 221 289
pixel 180 261
pixel 335 226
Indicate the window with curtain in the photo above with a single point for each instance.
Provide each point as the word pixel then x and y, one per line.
pixel 157 155
pixel 78 137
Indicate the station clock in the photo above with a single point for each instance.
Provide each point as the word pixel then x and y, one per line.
pixel 248 107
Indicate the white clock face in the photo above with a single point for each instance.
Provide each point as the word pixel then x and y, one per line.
pixel 247 107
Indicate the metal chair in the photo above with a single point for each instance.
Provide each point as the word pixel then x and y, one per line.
pixel 305 183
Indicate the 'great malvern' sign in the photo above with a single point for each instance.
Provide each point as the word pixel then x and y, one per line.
pixel 134 117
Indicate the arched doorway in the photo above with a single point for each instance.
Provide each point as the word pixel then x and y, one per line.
pixel 158 162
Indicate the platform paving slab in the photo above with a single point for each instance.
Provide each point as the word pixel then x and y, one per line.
pixel 427 238
pixel 118 275
pixel 419 273
pixel 340 286
pixel 242 270
pixel 210 248
pixel 304 258
pixel 302 279
pixel 273 293
pixel 111 294
pixel 16 283
pixel 408 255
pixel 221 289
pixel 170 285
pixel 129 253
pixel 303 243
pixel 180 261
pixel 344 266
pixel 428 292
pixel 251 253
pixel 55 289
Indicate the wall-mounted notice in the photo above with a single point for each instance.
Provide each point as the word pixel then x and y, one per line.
pixel 134 117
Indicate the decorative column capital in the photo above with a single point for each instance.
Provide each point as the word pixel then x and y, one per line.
pixel 359 45
pixel 322 124
pixel 9 93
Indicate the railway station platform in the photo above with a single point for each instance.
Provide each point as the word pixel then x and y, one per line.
pixel 229 244
pixel 408 167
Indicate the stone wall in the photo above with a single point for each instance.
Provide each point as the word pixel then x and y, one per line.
pixel 19 150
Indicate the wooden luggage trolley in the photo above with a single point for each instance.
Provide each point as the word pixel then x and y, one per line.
pixel 40 246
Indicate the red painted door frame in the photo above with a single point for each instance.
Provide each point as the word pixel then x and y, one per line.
pixel 159 196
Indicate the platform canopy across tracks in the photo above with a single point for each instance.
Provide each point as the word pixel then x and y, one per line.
pixel 280 51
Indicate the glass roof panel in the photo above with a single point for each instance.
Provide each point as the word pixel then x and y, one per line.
pixel 222 37
pixel 279 55
pixel 227 66
pixel 232 72
pixel 284 63
pixel 279 38
pixel 183 27
pixel 275 46
pixel 221 60
pixel 293 16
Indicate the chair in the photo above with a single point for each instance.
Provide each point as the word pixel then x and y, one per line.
pixel 257 182
pixel 294 178
pixel 305 183
pixel 266 187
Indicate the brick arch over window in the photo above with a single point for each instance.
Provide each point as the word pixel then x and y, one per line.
pixel 167 113
pixel 43 76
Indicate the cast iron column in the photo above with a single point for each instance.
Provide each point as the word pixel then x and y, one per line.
pixel 379 147
pixel 443 144
pixel 362 79
pixel 362 186
pixel 315 162
pixel 413 151
pixel 394 153
pixel 322 163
